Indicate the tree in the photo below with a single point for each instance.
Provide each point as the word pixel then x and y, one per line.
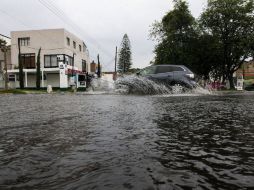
pixel 174 33
pixel 38 70
pixel 125 60
pixel 21 73
pixel 231 22
pixel 4 48
pixel 182 42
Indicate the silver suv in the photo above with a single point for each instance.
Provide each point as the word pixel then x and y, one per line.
pixel 170 75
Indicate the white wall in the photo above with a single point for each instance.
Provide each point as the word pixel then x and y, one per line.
pixel 52 41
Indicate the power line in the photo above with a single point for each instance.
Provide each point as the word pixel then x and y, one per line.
pixel 38 31
pixel 60 14
pixel 64 18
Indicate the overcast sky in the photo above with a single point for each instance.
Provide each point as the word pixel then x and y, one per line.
pixel 100 23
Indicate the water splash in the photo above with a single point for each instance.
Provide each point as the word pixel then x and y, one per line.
pixel 139 85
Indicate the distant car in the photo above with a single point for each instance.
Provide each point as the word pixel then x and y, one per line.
pixel 175 76
pixel 249 87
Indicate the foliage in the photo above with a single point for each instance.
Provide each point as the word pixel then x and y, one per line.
pixel 179 40
pixel 215 45
pixel 125 60
pixel 232 23
pixel 38 70
pixel 4 48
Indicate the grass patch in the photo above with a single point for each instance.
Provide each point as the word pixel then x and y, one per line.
pixel 23 91
pixel 12 91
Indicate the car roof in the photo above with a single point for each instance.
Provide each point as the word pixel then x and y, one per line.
pixel 164 65
pixel 170 65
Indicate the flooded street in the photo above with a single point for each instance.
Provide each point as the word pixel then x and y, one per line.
pixel 126 142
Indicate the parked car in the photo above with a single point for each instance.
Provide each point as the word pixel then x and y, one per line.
pixel 175 76
pixel 249 87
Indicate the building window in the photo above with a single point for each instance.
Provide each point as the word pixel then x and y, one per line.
pixel 71 61
pixel 28 60
pixel 83 65
pixel 68 60
pixel 24 41
pixel 68 41
pixel 80 48
pixel 74 44
pixel 50 61
pixel 11 78
pixel 84 47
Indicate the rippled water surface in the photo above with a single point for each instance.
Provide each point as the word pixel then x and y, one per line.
pixel 126 142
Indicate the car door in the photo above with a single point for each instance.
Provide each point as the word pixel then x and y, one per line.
pixel 164 73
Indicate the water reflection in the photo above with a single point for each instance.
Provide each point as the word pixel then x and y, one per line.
pixel 126 142
pixel 206 145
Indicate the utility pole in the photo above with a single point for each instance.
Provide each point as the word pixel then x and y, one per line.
pixel 115 65
pixel 115 59
pixel 99 67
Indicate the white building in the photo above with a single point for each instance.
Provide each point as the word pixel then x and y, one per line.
pixel 58 50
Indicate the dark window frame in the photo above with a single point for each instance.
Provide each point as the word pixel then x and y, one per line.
pixel 30 65
pixel 50 64
pixel 11 77
pixel 64 60
pixel 74 44
pixel 80 48
pixel 68 41
pixel 24 41
pixel 84 65
pixel 84 47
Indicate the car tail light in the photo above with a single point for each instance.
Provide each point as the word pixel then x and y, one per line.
pixel 190 76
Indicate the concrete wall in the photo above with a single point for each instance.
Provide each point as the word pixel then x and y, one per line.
pixel 69 50
pixel 52 41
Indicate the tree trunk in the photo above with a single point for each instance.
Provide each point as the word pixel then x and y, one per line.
pixel 231 81
pixel 6 70
pixel 21 76
pixel 38 70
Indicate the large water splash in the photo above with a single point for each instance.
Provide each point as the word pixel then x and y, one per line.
pixel 139 85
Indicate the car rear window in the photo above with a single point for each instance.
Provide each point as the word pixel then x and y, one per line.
pixel 165 69
pixel 174 68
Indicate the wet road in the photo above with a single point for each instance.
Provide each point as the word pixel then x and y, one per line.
pixel 126 142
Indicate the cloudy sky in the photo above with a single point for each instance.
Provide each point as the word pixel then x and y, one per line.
pixel 100 23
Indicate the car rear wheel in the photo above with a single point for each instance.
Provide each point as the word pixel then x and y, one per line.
pixel 178 88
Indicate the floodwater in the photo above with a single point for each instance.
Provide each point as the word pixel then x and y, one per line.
pixel 126 142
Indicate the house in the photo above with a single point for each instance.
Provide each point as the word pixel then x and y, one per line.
pixel 8 58
pixel 94 67
pixel 247 70
pixel 64 58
